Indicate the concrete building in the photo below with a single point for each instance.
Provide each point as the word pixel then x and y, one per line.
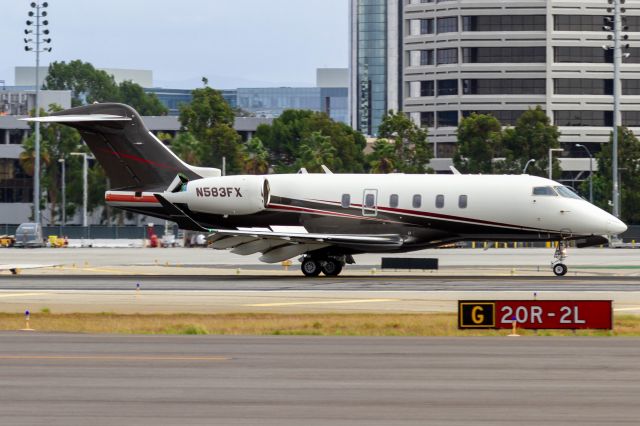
pixel 503 57
pixel 17 100
pixel 375 62
pixel 25 76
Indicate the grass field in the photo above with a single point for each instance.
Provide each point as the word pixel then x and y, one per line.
pixel 282 324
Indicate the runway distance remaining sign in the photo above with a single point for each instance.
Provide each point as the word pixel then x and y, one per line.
pixel 536 314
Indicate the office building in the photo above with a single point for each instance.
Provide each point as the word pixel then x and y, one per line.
pixel 375 62
pixel 25 76
pixel 503 57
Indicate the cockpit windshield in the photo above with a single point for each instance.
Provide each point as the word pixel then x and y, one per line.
pixel 544 190
pixel 567 192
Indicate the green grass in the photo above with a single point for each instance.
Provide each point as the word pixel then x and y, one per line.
pixel 284 324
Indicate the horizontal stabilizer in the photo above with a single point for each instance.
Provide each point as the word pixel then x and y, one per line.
pixel 77 118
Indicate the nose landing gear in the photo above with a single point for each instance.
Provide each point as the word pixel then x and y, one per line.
pixel 558 267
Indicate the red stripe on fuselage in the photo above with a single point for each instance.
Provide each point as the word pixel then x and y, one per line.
pixel 130 198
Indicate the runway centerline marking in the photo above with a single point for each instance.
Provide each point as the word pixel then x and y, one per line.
pixel 110 358
pixel 22 294
pixel 324 302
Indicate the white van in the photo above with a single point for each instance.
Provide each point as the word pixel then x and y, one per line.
pixel 29 235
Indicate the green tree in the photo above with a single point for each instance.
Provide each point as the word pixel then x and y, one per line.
pixel 479 143
pixel 255 157
pixel 89 85
pixel 629 172
pixel 531 138
pixel 383 158
pixel 285 136
pixel 56 142
pixel 188 148
pixel 412 151
pixel 145 103
pixel 210 120
pixel 316 150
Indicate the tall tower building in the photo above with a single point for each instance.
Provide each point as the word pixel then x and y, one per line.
pixel 505 56
pixel 376 62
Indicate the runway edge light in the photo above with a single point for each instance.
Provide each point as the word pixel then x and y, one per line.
pixel 27 315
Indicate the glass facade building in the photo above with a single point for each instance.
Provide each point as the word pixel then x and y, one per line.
pixel 270 102
pixel 375 61
pixel 173 98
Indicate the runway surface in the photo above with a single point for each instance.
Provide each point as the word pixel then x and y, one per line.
pixel 203 380
pixel 366 283
pixel 286 294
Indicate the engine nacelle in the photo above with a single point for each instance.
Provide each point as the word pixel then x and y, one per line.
pixel 225 195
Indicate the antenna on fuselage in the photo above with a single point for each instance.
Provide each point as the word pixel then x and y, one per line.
pixel 454 170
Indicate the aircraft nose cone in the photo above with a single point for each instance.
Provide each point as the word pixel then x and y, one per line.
pixel 616 226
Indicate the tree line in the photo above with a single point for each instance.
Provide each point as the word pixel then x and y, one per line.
pixel 305 139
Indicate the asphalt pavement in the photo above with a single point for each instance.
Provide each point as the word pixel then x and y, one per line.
pixel 205 380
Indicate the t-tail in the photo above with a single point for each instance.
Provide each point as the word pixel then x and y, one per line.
pixel 137 163
pixel 132 157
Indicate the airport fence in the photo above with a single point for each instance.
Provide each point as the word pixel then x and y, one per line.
pixel 95 231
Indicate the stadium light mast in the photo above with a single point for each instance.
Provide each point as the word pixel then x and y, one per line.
pixel 37 45
pixel 620 49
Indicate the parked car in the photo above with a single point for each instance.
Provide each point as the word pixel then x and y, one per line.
pixel 29 235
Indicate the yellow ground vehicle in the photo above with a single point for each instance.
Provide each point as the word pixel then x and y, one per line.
pixel 7 240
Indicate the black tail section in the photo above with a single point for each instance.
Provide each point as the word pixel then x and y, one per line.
pixel 133 159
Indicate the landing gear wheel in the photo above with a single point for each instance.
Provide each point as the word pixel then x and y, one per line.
pixel 559 269
pixel 332 268
pixel 310 267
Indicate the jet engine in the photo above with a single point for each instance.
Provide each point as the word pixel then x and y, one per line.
pixel 224 195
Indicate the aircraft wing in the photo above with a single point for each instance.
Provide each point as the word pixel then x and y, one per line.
pixel 279 246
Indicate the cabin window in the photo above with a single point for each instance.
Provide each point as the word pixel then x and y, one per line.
pixel 417 201
pixel 346 201
pixel 566 192
pixel 369 201
pixel 393 200
pixel 544 190
pixel 462 201
pixel 439 201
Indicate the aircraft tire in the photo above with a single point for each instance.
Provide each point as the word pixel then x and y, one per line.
pixel 310 267
pixel 560 269
pixel 331 268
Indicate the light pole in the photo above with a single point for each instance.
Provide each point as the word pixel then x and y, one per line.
pixel 85 186
pixel 524 171
pixel 551 151
pixel 590 171
pixel 64 191
pixel 35 46
pixel 619 44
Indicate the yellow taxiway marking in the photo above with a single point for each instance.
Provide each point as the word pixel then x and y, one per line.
pixel 112 358
pixel 22 294
pixel 324 302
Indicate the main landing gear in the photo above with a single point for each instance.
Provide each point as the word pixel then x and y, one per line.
pixel 329 266
pixel 559 268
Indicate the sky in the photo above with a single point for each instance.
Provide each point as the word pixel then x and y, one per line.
pixel 234 43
